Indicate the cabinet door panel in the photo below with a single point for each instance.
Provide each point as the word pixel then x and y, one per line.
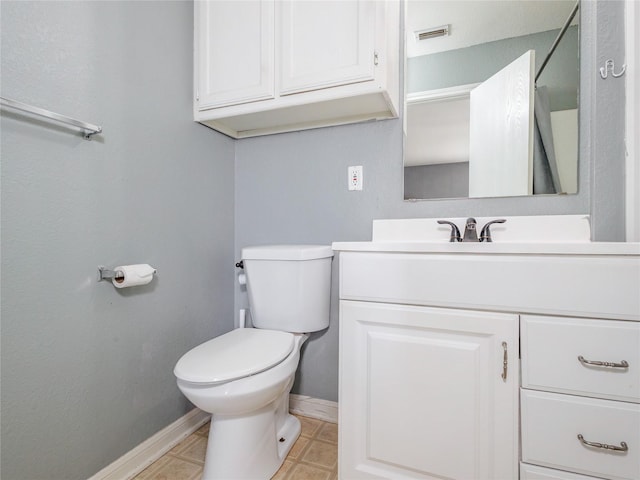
pixel 323 44
pixel 421 393
pixel 235 52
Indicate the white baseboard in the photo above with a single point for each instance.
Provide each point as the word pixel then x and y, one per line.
pixel 136 460
pixel 313 407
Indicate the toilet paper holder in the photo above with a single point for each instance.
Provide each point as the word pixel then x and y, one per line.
pixel 107 274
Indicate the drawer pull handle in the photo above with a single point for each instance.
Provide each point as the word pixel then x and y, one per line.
pixel 622 364
pixel 622 448
pixel 505 362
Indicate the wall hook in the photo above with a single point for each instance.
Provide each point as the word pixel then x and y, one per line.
pixel 609 66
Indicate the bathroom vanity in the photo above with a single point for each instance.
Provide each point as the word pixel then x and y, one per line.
pixel 488 360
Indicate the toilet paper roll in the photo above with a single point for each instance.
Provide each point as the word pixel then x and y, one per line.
pixel 242 279
pixel 132 275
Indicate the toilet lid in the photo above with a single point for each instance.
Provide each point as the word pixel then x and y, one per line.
pixel 239 353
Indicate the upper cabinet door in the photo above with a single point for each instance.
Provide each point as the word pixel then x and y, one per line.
pixel 324 44
pixel 234 52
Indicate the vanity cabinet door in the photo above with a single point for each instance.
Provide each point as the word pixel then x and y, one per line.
pixel 422 393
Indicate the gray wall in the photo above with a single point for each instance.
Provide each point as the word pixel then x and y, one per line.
pixel 292 187
pixel 87 370
pixel 440 180
pixel 607 128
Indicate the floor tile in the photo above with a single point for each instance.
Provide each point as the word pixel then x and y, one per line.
pixel 184 444
pixel 309 426
pixel 321 454
pixel 176 469
pixel 204 430
pixel 328 432
pixel 284 469
pixel 148 472
pixel 298 447
pixel 307 472
pixel 195 450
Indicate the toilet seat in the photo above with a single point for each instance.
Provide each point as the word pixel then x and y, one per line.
pixel 237 354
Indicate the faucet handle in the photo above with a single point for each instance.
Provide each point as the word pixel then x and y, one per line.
pixel 485 235
pixel 455 232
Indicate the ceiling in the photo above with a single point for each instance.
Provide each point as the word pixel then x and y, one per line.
pixel 478 21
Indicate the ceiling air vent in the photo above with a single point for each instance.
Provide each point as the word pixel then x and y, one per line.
pixel 441 31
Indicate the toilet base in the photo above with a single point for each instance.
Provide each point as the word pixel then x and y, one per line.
pixel 250 447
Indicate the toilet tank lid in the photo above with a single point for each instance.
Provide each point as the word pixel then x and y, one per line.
pixel 287 252
pixel 236 354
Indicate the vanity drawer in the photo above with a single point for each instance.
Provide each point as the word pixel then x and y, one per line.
pixel 551 347
pixel 551 423
pixel 533 472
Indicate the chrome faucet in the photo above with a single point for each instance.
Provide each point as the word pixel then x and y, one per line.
pixel 470 232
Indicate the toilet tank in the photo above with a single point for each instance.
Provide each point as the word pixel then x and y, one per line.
pixel 289 286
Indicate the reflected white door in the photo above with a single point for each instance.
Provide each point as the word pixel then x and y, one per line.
pixel 501 132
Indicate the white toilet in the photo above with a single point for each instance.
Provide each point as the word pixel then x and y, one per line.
pixel 243 377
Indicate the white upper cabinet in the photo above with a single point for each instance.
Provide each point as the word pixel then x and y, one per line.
pixel 270 66
pixel 238 35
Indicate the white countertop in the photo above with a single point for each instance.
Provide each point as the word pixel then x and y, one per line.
pixel 580 248
pixel 526 235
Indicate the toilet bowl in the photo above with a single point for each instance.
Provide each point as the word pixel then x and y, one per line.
pixel 243 378
pixel 250 414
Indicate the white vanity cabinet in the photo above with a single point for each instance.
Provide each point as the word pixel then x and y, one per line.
pixel 422 328
pixel 269 66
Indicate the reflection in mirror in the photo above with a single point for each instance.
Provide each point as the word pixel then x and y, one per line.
pixel 478 121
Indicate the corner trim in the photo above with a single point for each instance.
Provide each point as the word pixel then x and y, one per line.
pixel 136 460
pixel 313 407
pixel 632 31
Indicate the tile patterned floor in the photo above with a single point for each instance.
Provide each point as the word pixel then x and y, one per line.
pixel 314 456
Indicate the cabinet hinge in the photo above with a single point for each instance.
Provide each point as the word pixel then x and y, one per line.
pixel 375 58
pixel 197 96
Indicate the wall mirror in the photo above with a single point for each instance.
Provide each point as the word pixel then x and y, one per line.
pixel 488 112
